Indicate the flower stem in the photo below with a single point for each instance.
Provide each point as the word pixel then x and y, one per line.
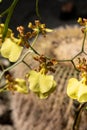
pixel 83 42
pixel 12 66
pixel 37 12
pixel 22 58
pixel 78 116
pixel 10 12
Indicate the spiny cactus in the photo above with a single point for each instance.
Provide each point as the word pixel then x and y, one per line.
pixel 57 112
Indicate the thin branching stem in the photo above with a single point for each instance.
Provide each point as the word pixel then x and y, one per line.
pixel 76 55
pixel 12 66
pixel 83 42
pixel 78 116
pixel 37 9
pixel 20 60
pixel 5 12
pixel 27 65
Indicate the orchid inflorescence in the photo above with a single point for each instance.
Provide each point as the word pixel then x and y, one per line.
pixel 77 89
pixel 37 80
pixel 11 48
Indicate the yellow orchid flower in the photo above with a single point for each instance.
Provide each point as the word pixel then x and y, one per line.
pixel 39 27
pixel 20 86
pixel 41 84
pixel 9 32
pixel 82 93
pixel 10 49
pixel 83 22
pixel 0 1
pixel 72 88
pixel 77 89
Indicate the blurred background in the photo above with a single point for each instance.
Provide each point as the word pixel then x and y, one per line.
pixel 53 12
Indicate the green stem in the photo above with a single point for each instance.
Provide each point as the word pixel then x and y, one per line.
pixel 20 60
pixel 76 55
pixel 5 12
pixel 12 66
pixel 74 65
pixel 34 50
pixel 83 42
pixel 64 60
pixel 31 46
pixel 10 12
pixel 37 11
pixel 26 64
pixel 34 41
pixel 82 49
pixel 78 116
